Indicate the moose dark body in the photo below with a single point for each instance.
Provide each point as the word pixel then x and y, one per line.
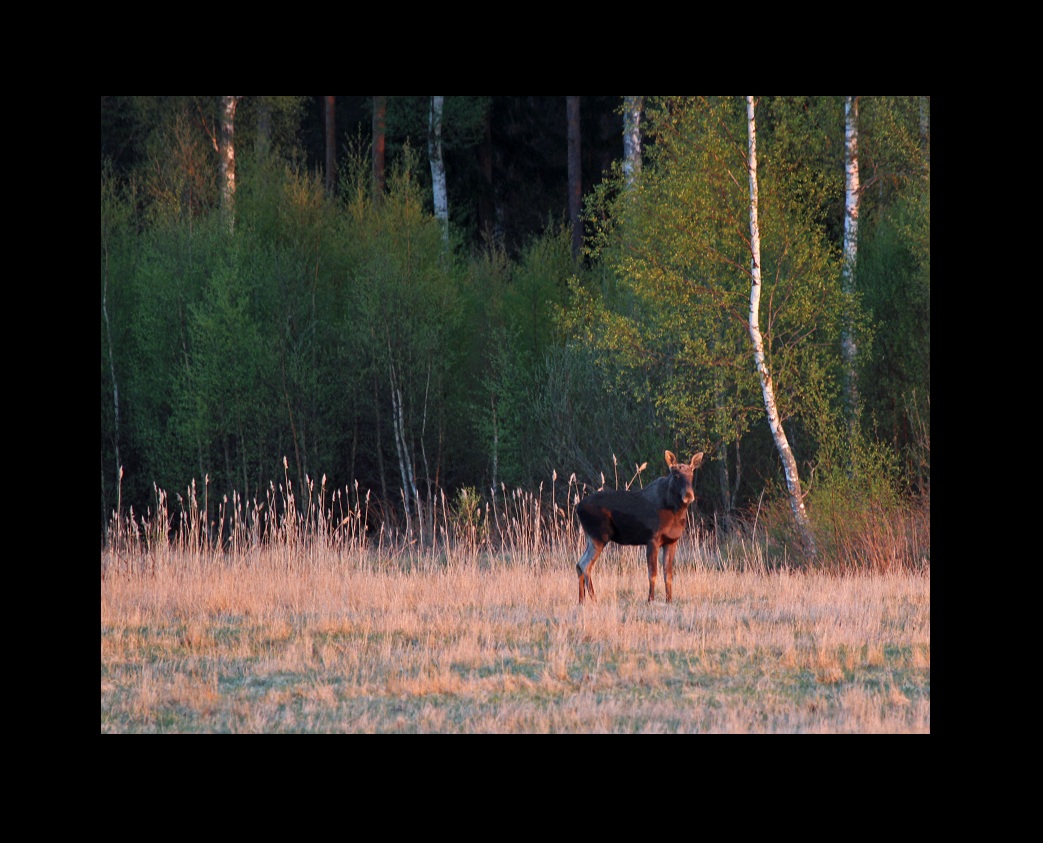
pixel 654 517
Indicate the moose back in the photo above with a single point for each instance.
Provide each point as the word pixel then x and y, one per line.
pixel 654 517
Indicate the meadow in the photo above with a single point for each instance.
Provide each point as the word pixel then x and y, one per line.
pixel 311 625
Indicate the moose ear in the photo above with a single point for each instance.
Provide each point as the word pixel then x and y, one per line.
pixel 697 460
pixel 670 458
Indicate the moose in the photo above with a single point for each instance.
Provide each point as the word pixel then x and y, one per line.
pixel 654 517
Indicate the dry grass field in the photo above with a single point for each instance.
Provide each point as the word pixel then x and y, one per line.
pixel 302 635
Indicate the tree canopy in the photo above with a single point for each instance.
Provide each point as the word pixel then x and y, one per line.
pixel 330 334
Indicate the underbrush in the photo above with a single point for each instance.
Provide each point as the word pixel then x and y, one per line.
pixel 854 534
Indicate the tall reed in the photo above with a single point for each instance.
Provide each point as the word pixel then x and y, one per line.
pixel 507 523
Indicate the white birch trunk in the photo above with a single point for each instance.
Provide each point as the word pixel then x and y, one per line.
pixel 789 462
pixel 402 449
pixel 434 152
pixel 632 138
pixel 423 456
pixel 496 447
pixel 848 345
pixel 227 153
pixel 398 427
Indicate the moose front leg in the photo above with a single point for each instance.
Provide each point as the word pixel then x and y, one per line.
pixel 668 569
pixel 653 552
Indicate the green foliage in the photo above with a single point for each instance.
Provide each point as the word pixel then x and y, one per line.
pixel 894 271
pixel 169 282
pixel 861 519
pixel 674 309
pixel 467 518
pixel 267 127
pixel 222 395
pixel 513 303
pixel 293 336
pixel 555 408
pixel 180 172
pixel 537 289
pixel 894 277
pixel 894 153
pixel 464 125
pixel 463 120
pixel 119 254
pixel 408 320
pixel 803 143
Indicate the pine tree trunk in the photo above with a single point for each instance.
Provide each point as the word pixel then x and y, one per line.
pixel 789 462
pixel 227 154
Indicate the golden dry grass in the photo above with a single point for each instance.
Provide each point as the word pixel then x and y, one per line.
pixel 314 637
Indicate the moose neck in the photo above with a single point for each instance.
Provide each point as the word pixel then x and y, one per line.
pixel 667 493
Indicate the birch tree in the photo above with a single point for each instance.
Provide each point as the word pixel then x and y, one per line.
pixel 402 441
pixel 408 303
pixel 848 344
pixel 434 150
pixel 673 318
pixel 789 462
pixel 632 138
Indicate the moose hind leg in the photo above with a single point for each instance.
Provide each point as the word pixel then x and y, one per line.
pixel 584 566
